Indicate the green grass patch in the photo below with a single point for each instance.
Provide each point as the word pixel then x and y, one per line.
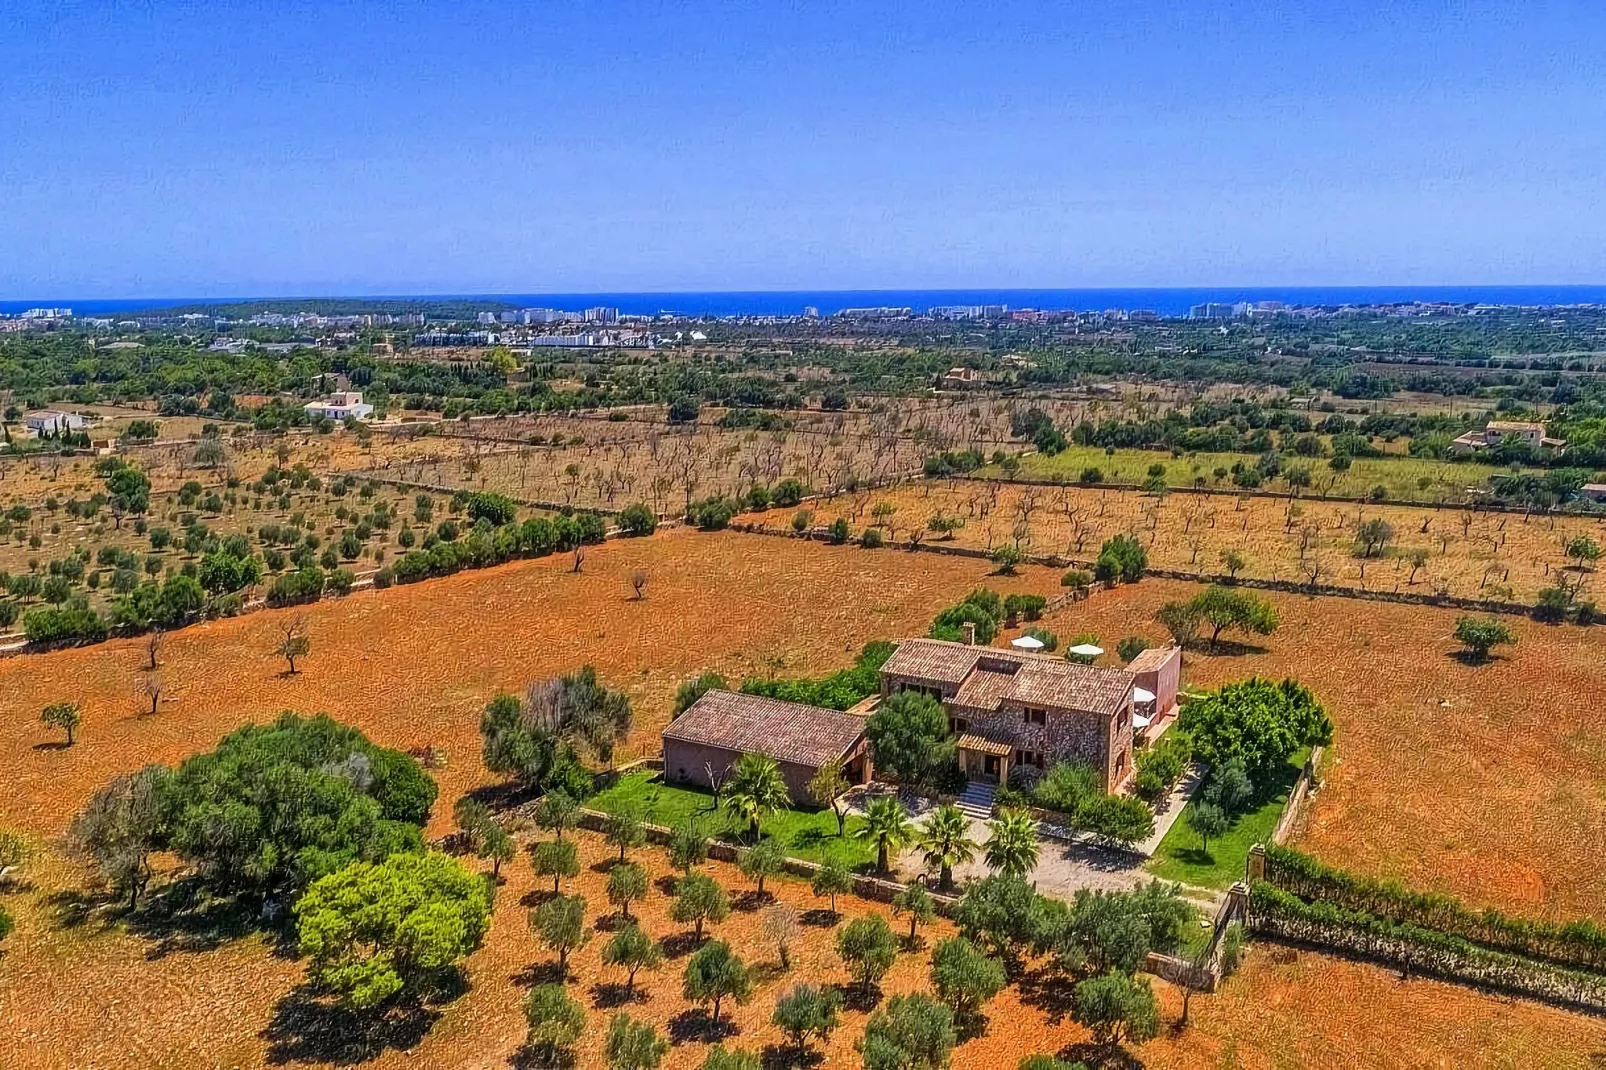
pixel 1401 475
pixel 1180 858
pixel 805 833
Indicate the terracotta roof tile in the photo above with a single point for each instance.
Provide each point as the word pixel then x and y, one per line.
pixel 785 731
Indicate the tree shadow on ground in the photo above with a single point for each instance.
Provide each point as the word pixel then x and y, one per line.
pixel 820 918
pixel 184 917
pixel 1049 992
pixel 605 866
pixel 667 884
pixel 679 945
pixel 860 999
pixel 765 972
pixel 536 896
pixel 540 973
pixel 1473 660
pixel 696 1026
pixel 750 900
pixel 54 744
pixel 611 996
pixel 612 922
pixel 808 838
pixel 1226 648
pixel 307 1029
pixel 789 1057
pixel 529 1057
pixel 1104 1057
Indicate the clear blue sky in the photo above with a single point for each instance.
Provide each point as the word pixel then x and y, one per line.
pixel 227 148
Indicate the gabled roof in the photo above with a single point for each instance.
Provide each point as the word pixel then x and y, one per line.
pixel 988 677
pixel 750 724
pixel 1151 659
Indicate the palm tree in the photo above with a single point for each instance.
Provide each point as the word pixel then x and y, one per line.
pixel 756 788
pixel 886 826
pixel 947 843
pixel 1012 845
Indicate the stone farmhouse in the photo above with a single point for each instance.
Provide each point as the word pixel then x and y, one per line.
pixel 1006 710
pixel 704 742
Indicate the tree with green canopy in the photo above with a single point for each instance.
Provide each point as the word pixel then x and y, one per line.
pixel 556 1021
pixel 917 903
pixel 1011 848
pixel 908 736
pixel 627 883
pixel 807 1013
pixel 277 806
pixel 632 949
pixel 699 899
pixel 887 827
pixel 715 974
pixel 945 842
pixel 867 946
pixel 964 977
pixel 560 923
pixel 377 930
pixel 633 1045
pixel 763 859
pixel 912 1032
pixel 756 788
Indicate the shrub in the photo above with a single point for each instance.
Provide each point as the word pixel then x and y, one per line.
pixel 1481 634
pixel 638 519
pixel 1077 579
pixel 871 539
pixel 1122 559
pixel 711 514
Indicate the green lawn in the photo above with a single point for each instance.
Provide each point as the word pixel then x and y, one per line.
pixel 806 834
pixel 1179 857
pixel 1400 474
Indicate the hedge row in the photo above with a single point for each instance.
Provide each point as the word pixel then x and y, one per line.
pixel 1418 949
pixel 486 546
pixel 1579 943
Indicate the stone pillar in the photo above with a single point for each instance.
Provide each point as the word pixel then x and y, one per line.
pixel 1256 870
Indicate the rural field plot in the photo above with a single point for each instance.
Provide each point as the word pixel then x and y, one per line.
pixel 1497 556
pixel 1416 793
pixel 1410 479
pixel 1485 782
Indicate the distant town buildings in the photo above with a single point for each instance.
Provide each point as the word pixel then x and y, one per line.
pixel 1218 310
pixel 602 314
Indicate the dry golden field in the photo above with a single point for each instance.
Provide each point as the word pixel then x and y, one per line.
pixel 1446 776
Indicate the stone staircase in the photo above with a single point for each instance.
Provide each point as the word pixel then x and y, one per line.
pixel 976 801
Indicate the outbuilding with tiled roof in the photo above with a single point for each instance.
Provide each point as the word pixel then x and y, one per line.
pixel 703 743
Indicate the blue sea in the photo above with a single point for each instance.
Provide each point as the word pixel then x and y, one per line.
pixel 1167 302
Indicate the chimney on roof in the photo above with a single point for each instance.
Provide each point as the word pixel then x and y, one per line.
pixel 969 628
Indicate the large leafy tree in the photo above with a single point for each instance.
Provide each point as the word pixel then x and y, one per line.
pixel 1116 1006
pixel 556 1021
pixel 1230 609
pixel 539 739
pixel 1255 721
pixel 118 829
pixel 376 931
pixel 908 736
pixel 277 806
pixel 756 787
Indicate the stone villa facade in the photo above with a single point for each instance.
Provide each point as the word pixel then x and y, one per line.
pixel 1009 709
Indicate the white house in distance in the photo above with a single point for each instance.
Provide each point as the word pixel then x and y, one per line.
pixel 1498 431
pixel 54 422
pixel 339 406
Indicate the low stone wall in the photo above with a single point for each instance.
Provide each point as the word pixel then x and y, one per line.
pixel 1296 797
pixel 865 887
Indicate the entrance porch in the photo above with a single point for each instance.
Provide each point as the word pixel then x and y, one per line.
pixel 984 759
